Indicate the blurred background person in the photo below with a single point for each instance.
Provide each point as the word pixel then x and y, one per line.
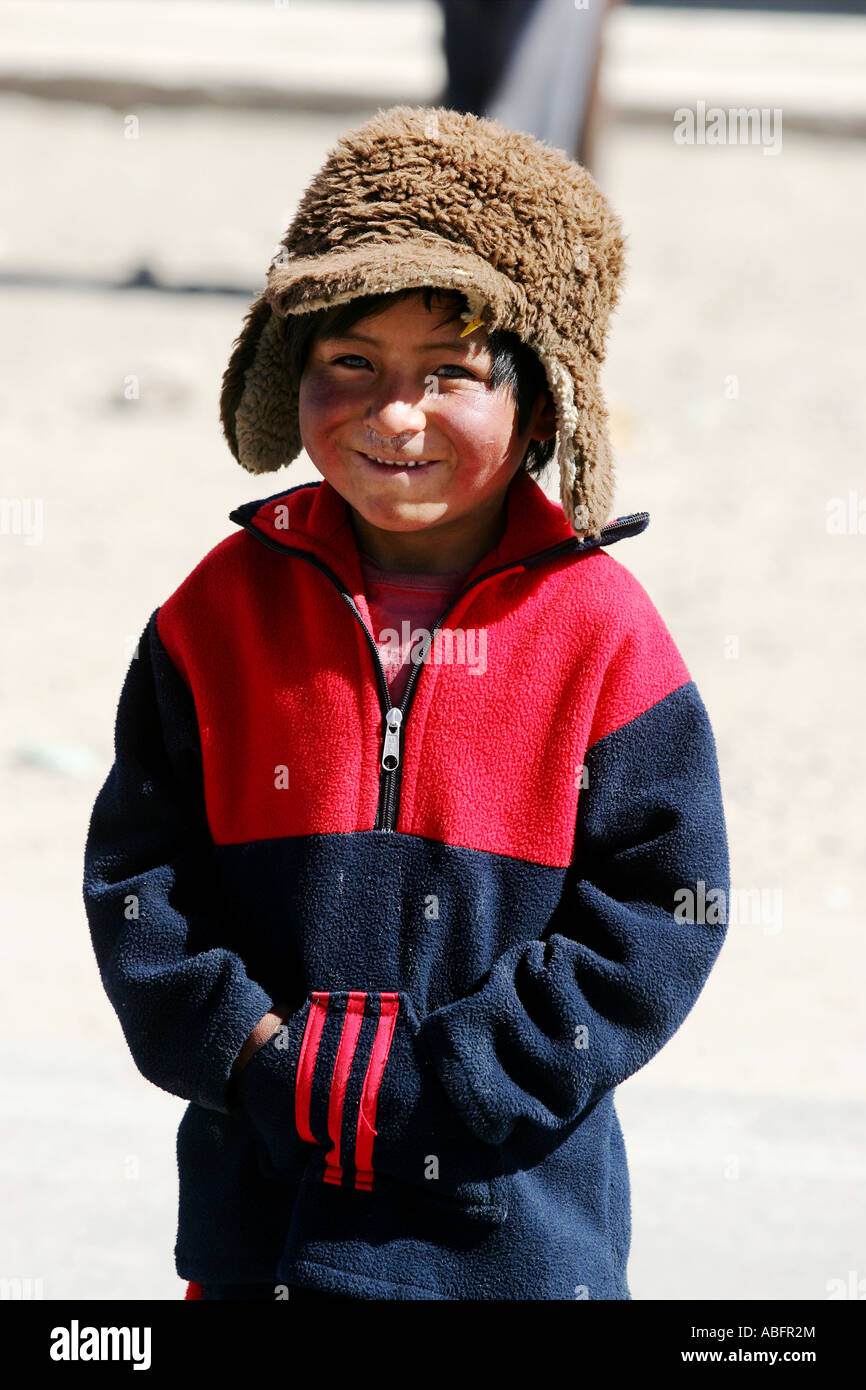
pixel 532 64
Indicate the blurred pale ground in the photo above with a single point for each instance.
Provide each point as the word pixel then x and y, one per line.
pixel 735 383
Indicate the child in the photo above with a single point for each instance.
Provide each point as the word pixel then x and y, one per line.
pixel 405 858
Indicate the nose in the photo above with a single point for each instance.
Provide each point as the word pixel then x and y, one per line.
pixel 393 417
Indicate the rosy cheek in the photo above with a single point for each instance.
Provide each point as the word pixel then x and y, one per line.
pixel 325 400
pixel 475 418
pixel 313 396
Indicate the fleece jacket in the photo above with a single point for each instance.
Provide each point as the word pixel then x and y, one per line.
pixel 479 910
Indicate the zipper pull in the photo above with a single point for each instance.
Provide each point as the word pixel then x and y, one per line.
pixel 391 750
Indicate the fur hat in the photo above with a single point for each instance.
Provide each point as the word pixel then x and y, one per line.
pixel 429 196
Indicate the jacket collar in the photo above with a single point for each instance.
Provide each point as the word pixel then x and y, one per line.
pixel 315 518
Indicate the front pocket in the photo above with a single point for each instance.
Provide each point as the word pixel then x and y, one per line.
pixel 484 1200
pixel 369 1099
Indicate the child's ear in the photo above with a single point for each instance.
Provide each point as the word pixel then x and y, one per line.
pixel 544 416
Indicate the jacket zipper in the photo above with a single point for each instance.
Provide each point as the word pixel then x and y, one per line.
pixel 394 716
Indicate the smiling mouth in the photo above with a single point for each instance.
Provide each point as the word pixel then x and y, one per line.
pixel 397 465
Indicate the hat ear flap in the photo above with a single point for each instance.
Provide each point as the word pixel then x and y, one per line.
pixel 259 398
pixel 594 472
pixel 584 458
pixel 584 454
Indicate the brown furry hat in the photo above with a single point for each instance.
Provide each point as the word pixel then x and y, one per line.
pixel 429 196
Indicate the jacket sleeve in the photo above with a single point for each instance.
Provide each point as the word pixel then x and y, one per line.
pixel 151 894
pixel 558 1021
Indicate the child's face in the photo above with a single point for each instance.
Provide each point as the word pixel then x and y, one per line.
pixel 402 385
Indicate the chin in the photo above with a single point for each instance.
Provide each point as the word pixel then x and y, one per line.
pixel 402 517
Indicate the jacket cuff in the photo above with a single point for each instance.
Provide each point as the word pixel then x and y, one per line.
pixel 266 1091
pixel 461 1071
pixel 216 1086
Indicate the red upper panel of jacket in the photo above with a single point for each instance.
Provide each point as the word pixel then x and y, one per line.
pixel 549 645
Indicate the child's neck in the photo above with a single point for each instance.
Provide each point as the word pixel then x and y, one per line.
pixel 432 549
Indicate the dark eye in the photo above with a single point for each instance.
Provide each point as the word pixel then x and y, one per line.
pixel 349 357
pixel 454 367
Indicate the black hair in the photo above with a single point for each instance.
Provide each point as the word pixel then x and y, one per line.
pixel 514 364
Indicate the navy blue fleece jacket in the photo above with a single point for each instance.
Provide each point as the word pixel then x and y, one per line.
pixel 480 910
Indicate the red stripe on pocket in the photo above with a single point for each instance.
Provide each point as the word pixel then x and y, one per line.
pixel 339 1080
pixel 366 1130
pixel 307 1064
